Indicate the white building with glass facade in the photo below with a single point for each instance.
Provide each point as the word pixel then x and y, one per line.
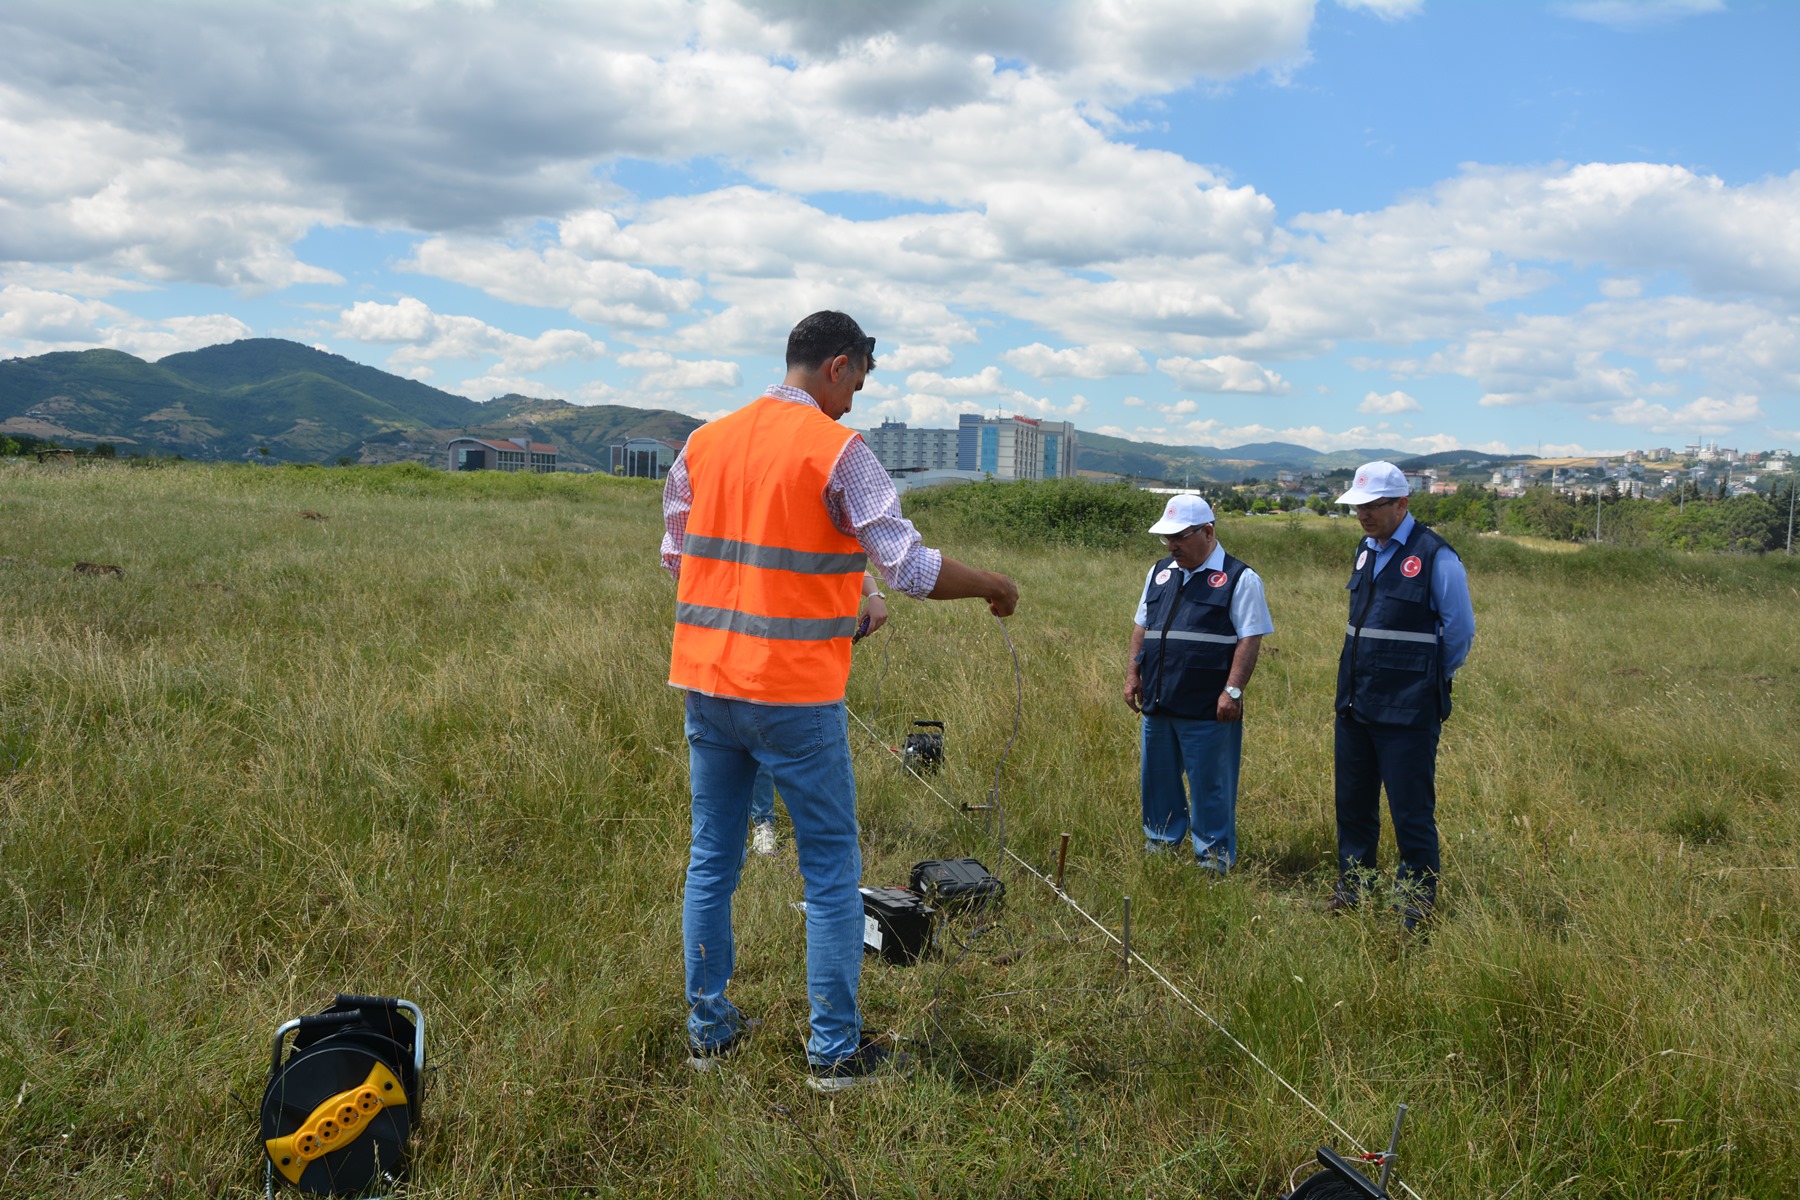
pixel 1002 447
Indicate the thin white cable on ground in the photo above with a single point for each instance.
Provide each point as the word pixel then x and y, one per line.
pixel 1135 956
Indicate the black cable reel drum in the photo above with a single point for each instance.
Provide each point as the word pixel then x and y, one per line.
pixel 923 752
pixel 338 1113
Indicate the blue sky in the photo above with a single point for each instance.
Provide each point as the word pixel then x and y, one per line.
pixel 1412 224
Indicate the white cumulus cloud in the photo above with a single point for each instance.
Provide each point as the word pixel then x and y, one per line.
pixel 665 372
pixel 35 321
pixel 1388 403
pixel 1706 415
pixel 1225 373
pixel 986 382
pixel 1080 362
pixel 425 336
pixel 912 357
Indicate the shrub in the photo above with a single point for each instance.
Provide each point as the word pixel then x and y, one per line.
pixel 1069 512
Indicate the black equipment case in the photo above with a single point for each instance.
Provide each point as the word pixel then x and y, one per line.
pixel 957 885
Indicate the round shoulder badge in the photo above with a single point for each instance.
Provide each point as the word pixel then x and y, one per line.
pixel 1216 579
pixel 1411 566
pixel 1362 560
pixel 1162 576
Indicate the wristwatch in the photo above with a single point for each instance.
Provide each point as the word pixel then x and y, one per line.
pixel 1236 693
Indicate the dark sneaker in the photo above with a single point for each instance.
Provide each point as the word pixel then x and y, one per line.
pixel 1214 867
pixel 872 1063
pixel 707 1058
pixel 1415 918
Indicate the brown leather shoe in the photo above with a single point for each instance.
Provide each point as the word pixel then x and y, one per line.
pixel 1339 901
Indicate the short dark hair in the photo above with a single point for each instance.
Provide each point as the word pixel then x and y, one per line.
pixel 825 335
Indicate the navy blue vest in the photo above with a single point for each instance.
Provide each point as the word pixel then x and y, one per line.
pixel 1189 640
pixel 1392 669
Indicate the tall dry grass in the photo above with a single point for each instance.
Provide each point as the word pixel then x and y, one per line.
pixel 424 747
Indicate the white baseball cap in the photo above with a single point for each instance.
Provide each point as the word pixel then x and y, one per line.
pixel 1376 481
pixel 1183 512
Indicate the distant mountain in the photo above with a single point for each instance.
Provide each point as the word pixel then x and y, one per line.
pixel 307 405
pixel 246 366
pixel 1210 464
pixel 1099 452
pixel 1456 460
pixel 1281 454
pixel 302 404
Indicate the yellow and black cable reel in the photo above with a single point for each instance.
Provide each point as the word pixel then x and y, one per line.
pixel 339 1110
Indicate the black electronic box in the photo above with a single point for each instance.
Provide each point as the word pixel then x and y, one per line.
pixel 896 924
pixel 957 885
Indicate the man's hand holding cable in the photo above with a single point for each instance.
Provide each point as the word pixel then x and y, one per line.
pixel 956 581
pixel 874 611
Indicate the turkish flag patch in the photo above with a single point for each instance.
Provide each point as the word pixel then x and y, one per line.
pixel 1217 579
pixel 1411 566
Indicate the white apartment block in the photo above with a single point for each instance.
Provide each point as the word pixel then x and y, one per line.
pixel 903 449
pixel 1003 447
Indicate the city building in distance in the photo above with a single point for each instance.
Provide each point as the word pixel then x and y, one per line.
pixel 1006 448
pixel 501 454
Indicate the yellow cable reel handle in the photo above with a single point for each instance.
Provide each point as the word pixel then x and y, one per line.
pixel 335 1122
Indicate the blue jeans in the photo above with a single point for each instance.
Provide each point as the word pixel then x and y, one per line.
pixel 806 749
pixel 762 797
pixel 1404 760
pixel 1208 752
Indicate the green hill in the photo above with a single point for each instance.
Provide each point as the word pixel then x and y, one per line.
pixel 301 404
pixel 1211 464
pixel 259 362
pixel 298 403
pixel 1149 461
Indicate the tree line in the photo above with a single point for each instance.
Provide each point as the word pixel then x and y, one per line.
pixel 1690 518
pixel 19 444
pixel 1079 512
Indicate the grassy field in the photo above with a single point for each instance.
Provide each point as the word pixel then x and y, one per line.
pixel 423 747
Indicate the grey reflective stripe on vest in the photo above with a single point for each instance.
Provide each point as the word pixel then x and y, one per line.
pixel 783 629
pixel 1391 635
pixel 774 558
pixel 1179 636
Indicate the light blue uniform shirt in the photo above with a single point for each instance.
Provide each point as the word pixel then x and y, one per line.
pixel 1249 610
pixel 1449 595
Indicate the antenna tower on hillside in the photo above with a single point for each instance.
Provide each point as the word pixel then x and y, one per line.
pixel 1791 488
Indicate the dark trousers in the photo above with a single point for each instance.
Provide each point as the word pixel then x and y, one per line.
pixel 1403 760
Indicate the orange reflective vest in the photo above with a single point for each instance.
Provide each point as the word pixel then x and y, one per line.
pixel 769 587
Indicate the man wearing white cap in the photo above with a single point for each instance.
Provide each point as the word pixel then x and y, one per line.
pixel 1411 626
pixel 1199 626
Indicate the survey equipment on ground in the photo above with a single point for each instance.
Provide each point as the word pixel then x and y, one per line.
pixel 340 1107
pixel 923 751
pixel 957 885
pixel 1338 1179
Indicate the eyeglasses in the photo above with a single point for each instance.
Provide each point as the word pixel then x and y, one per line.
pixel 1371 506
pixel 1183 536
pixel 865 346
